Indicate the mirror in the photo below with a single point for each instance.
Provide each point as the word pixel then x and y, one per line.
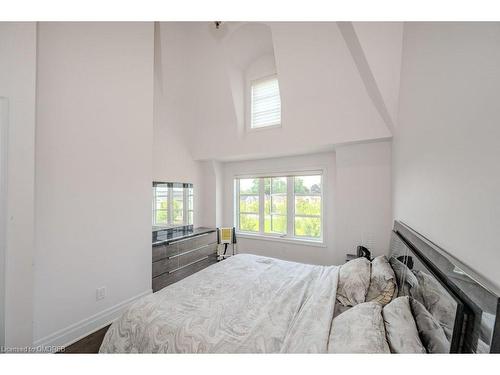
pixel 173 205
pixel 416 280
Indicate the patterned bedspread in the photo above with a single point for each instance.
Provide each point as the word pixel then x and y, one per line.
pixel 245 304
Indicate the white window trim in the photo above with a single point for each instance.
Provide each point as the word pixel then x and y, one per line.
pixel 295 241
pixel 248 107
pixel 155 210
pixel 187 210
pixel 290 235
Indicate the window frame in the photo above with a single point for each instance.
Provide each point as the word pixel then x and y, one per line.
pixel 260 210
pixel 271 214
pixel 248 93
pixel 156 210
pixel 290 234
pixel 189 208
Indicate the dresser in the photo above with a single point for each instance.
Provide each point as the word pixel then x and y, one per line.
pixel 177 258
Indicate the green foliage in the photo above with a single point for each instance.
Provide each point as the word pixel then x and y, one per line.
pixel 249 203
pixel 163 195
pixel 249 186
pixel 279 185
pixel 308 205
pixel 308 227
pixel 307 202
pixel 249 222
pixel 307 184
pixel 161 217
pixel 177 205
pixel 161 210
pixel 275 224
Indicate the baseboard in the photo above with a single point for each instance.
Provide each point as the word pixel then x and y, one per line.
pixel 79 330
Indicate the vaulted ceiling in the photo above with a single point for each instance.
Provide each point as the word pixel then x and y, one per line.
pixel 339 83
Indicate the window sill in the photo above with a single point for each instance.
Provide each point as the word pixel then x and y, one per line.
pixel 260 128
pixel 294 241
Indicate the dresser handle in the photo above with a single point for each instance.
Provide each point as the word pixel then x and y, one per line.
pixel 189 251
pixel 189 238
pixel 181 240
pixel 189 264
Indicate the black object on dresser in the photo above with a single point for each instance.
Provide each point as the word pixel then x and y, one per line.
pixel 182 255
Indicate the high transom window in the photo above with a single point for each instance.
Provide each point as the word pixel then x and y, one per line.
pixel 265 103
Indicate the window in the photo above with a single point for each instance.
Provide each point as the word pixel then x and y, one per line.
pixel 307 202
pixel 249 205
pixel 172 204
pixel 265 103
pixel 280 206
pixel 160 205
pixel 275 207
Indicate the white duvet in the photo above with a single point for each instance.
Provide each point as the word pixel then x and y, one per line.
pixel 245 304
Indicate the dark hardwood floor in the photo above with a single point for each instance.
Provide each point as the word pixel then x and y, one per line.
pixel 89 344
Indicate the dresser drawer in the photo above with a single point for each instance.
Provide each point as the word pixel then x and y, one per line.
pixel 166 279
pixel 196 254
pixel 165 265
pixel 164 251
pixel 206 239
pixel 182 258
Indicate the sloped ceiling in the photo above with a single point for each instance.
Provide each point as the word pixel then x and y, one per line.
pixel 326 100
pixel 381 46
pixel 246 42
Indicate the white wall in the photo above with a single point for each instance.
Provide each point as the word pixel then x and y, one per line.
pixel 4 120
pixel 198 112
pixel 17 87
pixel 357 193
pixel 324 101
pixel 363 197
pixel 93 174
pixel 446 152
pixel 172 158
pixel 211 197
pixel 248 55
pixel 382 43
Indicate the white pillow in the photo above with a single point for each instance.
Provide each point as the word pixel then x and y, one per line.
pixel 431 333
pixel 400 327
pixel 383 284
pixel 359 330
pixel 354 280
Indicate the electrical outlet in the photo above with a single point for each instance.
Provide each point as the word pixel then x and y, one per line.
pixel 100 293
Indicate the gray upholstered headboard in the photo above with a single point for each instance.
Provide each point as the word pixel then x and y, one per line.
pixel 475 301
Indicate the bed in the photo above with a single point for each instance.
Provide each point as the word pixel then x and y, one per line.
pixel 402 303
pixel 245 304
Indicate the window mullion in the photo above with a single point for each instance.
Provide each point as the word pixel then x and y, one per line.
pixel 290 207
pixel 237 204
pixel 170 205
pixel 261 205
pixel 187 191
pixel 154 207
